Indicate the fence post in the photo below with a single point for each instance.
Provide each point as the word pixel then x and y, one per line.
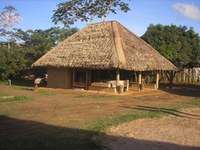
pixel 9 82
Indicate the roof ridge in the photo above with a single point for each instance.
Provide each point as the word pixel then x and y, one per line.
pixel 95 23
pixel 118 44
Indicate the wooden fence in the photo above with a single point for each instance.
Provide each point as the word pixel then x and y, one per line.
pixel 184 76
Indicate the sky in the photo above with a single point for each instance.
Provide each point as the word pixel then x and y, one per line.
pixel 36 14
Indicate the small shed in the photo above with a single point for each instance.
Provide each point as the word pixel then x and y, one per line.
pixel 97 55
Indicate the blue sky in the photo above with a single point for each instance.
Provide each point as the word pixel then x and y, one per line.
pixel 36 14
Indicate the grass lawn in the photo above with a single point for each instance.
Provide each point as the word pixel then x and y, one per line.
pixel 62 120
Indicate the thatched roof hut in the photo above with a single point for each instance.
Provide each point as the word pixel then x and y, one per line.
pixel 105 45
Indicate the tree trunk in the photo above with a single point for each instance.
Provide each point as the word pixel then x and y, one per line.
pixel 170 76
pixel 8 45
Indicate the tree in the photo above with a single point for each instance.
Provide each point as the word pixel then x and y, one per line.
pixel 12 62
pixel 86 10
pixel 38 42
pixel 178 44
pixel 33 44
pixel 8 18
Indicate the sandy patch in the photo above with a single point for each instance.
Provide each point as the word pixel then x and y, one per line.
pixel 169 132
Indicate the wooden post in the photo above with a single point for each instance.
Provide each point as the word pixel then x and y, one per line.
pixel 9 82
pixel 127 85
pixel 117 77
pixel 89 77
pixel 157 80
pixel 136 78
pixel 140 81
pixel 87 80
pixel 192 76
pixel 117 80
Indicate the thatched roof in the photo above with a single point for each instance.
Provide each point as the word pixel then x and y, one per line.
pixel 105 45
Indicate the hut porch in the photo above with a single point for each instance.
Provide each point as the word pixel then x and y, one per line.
pixel 113 80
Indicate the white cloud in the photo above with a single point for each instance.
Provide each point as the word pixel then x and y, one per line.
pixel 187 10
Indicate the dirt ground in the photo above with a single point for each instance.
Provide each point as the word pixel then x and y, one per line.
pixel 170 132
pixel 69 107
pixel 68 110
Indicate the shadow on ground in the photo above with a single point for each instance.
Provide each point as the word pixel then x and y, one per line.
pixel 30 135
pixel 182 90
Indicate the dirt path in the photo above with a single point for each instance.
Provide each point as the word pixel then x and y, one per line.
pixel 171 132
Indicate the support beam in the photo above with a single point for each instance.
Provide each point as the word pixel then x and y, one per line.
pixel 87 80
pixel 140 81
pixel 117 77
pixel 140 78
pixel 117 80
pixel 157 79
pixel 89 77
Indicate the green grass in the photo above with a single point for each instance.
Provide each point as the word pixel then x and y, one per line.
pixel 181 105
pixel 101 125
pixel 195 102
pixel 15 99
pixel 23 87
pixel 8 113
pixel 2 94
pixel 47 93
pixel 94 96
pixel 4 82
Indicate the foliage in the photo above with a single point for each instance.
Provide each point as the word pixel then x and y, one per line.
pixel 12 62
pixel 38 42
pixel 33 44
pixel 178 44
pixel 86 10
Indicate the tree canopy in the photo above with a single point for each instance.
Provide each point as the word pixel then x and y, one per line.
pixel 9 17
pixel 86 10
pixel 33 44
pixel 178 44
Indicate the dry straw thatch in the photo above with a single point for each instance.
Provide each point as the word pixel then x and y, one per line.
pixel 105 45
